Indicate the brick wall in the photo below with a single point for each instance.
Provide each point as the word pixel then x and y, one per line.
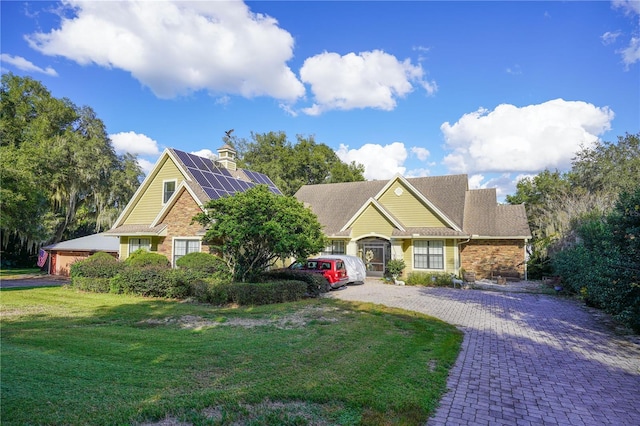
pixel 179 224
pixel 486 256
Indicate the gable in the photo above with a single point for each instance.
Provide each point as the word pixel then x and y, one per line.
pixel 150 202
pixel 371 220
pixel 403 204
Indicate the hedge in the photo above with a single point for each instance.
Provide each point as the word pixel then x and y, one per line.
pixel 316 283
pixel 98 265
pixel 437 279
pixel 96 285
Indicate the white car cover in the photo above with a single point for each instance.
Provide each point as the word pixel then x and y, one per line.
pixel 355 267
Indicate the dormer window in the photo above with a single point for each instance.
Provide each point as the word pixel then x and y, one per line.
pixel 169 187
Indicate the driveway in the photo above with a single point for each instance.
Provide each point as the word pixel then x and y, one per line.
pixel 33 281
pixel 526 359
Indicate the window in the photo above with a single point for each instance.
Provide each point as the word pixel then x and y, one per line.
pixel 428 255
pixel 139 243
pixel 182 247
pixel 334 247
pixel 169 187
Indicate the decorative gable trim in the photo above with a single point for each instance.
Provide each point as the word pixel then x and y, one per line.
pixel 420 196
pixel 166 154
pixel 172 201
pixel 377 205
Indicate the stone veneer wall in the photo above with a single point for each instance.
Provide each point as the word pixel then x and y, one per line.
pixel 486 256
pixel 179 224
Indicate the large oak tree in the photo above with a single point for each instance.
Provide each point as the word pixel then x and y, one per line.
pixel 291 165
pixel 60 176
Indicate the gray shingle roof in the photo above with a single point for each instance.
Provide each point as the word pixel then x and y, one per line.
pixel 476 212
pixel 95 242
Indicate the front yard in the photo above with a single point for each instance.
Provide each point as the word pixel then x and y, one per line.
pixel 83 358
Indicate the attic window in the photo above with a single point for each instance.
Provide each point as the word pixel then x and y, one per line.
pixel 398 191
pixel 169 187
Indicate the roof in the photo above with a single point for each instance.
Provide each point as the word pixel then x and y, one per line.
pixel 91 243
pixel 211 181
pixel 204 178
pixel 468 212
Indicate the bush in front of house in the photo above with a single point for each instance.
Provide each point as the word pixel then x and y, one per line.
pixel 153 281
pixel 431 279
pixel 208 265
pixel 142 258
pixel 95 285
pixel 265 293
pixel 98 265
pixel 316 283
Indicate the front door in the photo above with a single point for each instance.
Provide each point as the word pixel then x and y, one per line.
pixel 375 254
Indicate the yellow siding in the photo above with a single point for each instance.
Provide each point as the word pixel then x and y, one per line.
pixel 449 257
pixel 371 220
pixel 409 210
pixel 150 203
pixel 124 245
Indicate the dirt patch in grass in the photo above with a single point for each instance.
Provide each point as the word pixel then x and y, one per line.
pixel 290 321
pixel 270 412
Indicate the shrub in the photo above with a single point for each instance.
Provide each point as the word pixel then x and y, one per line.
pixel 154 281
pixel 266 293
pixel 395 267
pixel 316 283
pixel 142 258
pixel 206 264
pixel 438 279
pixel 96 285
pixel 98 265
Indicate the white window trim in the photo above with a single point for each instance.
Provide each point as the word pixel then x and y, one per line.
pixel 137 238
pixel 173 246
pixel 175 188
pixel 444 254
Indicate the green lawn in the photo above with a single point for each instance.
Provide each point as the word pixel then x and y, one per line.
pixel 81 358
pixel 18 272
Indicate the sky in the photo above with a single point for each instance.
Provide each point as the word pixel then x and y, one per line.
pixel 495 90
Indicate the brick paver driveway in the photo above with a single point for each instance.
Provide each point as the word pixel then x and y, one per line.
pixel 526 359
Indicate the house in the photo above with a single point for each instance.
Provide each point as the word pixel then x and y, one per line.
pixel 60 256
pixel 159 215
pixel 435 224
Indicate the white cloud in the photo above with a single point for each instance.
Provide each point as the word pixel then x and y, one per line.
pixel 629 6
pixel 366 80
pixel 610 37
pixel 417 173
pixel 421 153
pixel 380 162
pixel 630 54
pixel 176 47
pixel 206 153
pixel 146 165
pixel 26 65
pixel 134 143
pixel 525 139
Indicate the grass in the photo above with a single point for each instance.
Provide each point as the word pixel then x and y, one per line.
pixel 17 272
pixel 81 358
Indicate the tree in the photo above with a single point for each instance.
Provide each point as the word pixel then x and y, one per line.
pixel 59 174
pixel 557 202
pixel 292 165
pixel 253 229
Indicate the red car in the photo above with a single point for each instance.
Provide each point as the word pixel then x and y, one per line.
pixel 333 270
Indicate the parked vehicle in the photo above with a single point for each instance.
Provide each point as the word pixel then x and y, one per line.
pixel 334 270
pixel 356 270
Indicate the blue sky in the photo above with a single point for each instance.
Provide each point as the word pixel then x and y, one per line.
pixel 496 90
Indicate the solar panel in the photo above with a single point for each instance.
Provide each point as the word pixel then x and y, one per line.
pixel 218 181
pixel 212 180
pixel 185 158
